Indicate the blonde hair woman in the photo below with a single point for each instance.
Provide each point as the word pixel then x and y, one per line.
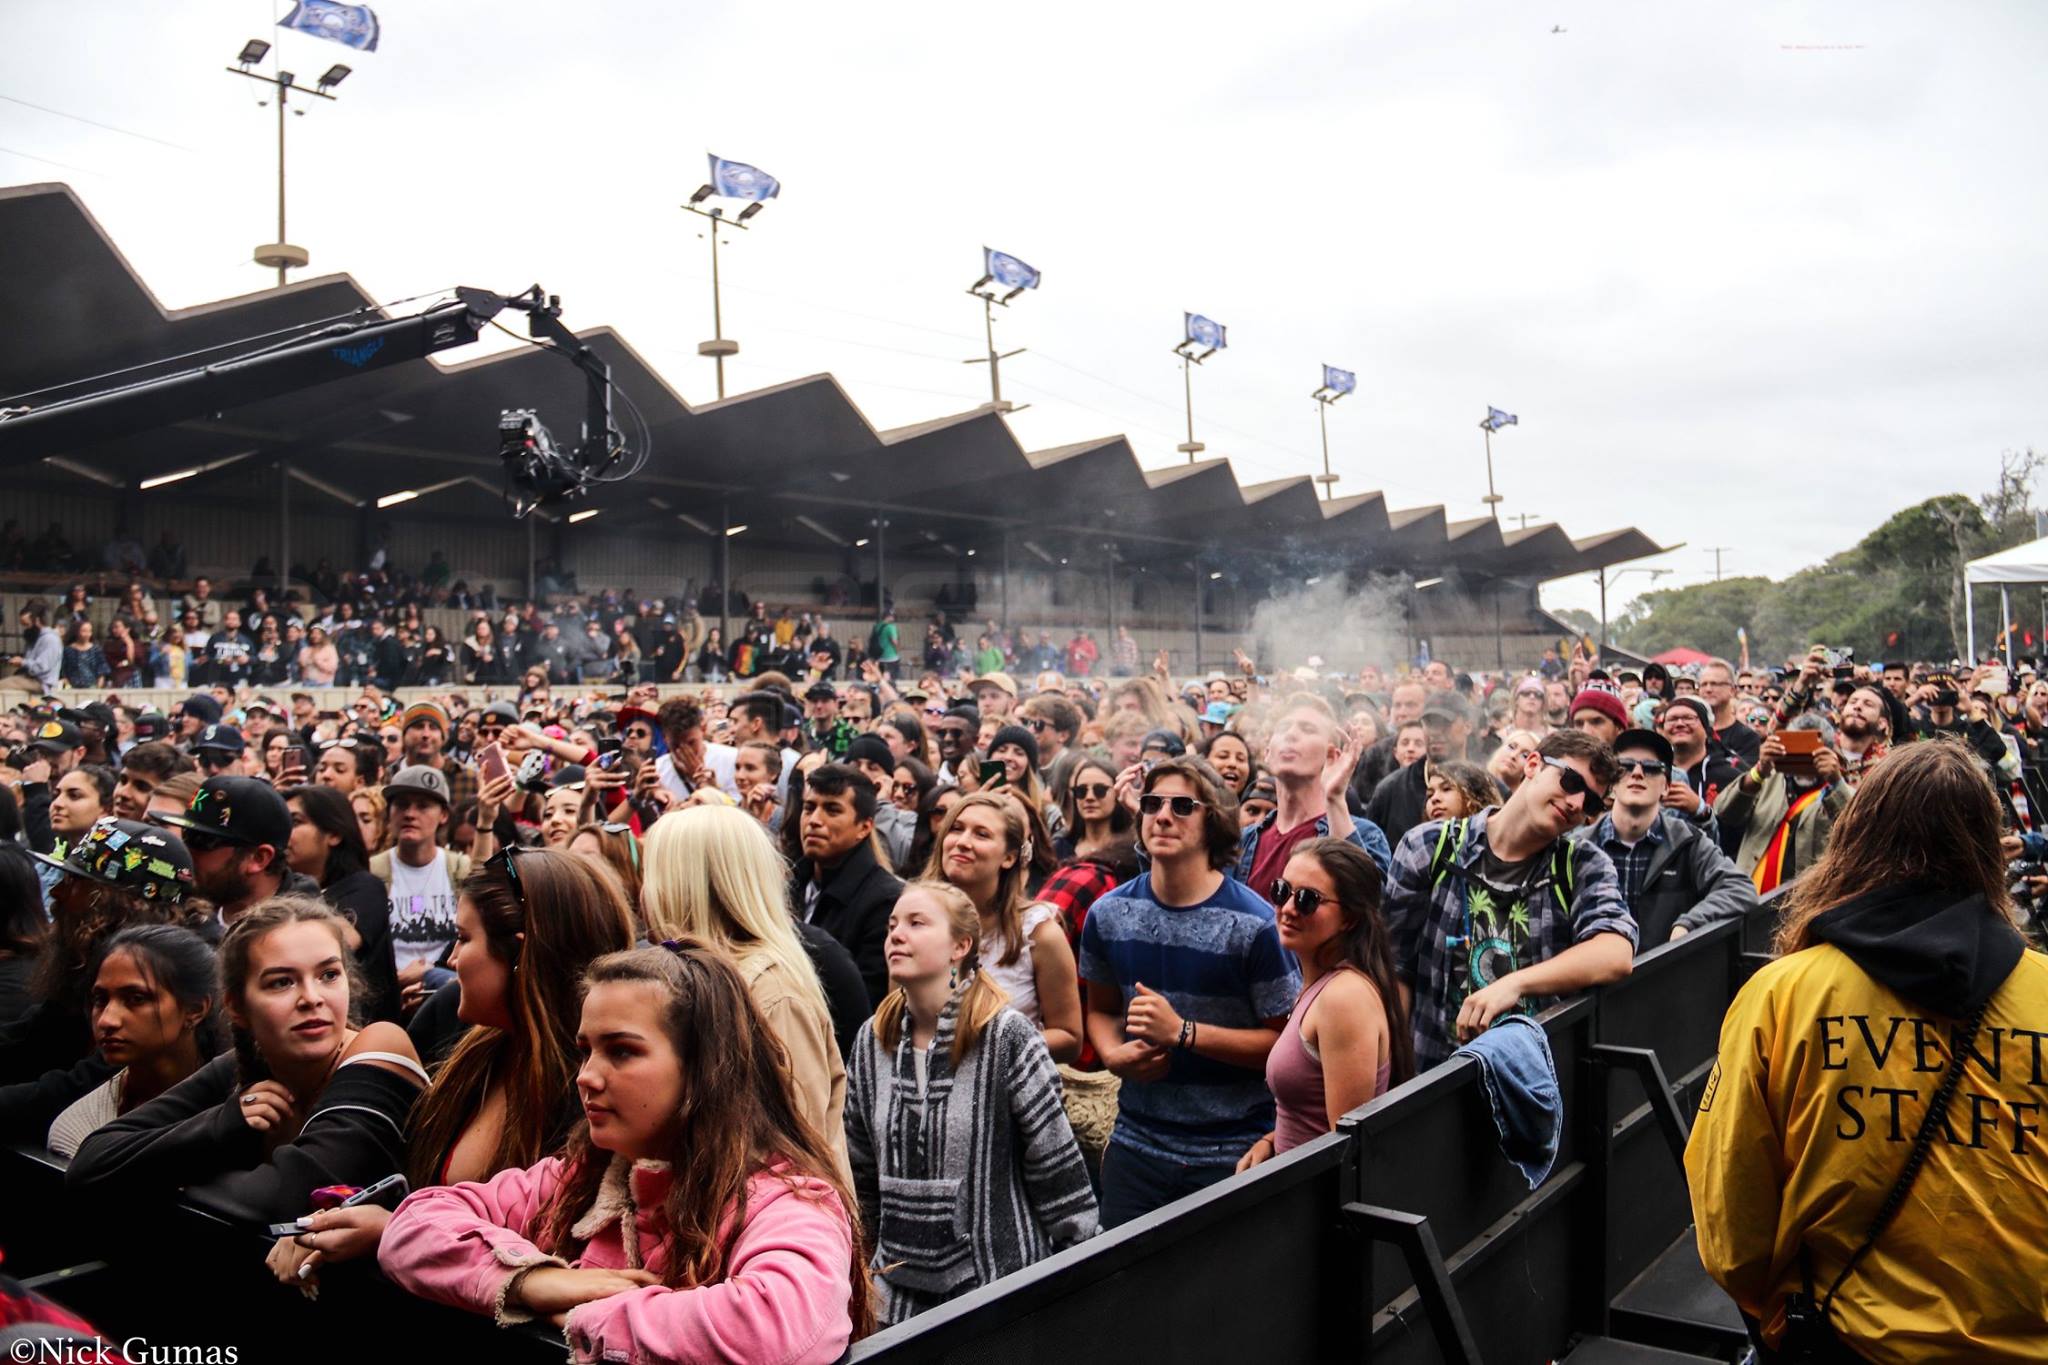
pixel 713 873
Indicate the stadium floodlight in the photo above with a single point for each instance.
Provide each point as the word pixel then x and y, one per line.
pixel 335 75
pixel 749 211
pixel 253 51
pixel 703 192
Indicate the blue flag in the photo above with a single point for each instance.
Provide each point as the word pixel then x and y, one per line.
pixel 1205 332
pixel 738 180
pixel 1007 270
pixel 353 26
pixel 1339 381
pixel 1496 419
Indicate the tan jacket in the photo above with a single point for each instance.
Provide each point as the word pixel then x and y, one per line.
pixel 458 867
pixel 810 1056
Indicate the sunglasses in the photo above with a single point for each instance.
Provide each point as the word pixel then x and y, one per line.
pixel 1649 767
pixel 632 844
pixel 503 858
pixel 1572 781
pixel 195 842
pixel 1037 726
pixel 1092 791
pixel 1182 806
pixel 1307 900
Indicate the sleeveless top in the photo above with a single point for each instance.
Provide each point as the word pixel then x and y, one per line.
pixel 1017 979
pixel 1294 1073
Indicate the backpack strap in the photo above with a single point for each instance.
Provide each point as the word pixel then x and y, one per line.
pixel 1450 841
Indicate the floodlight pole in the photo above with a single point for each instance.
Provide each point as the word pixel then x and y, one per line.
pixel 1188 360
pixel 280 253
pixel 720 346
pixel 1324 398
pixel 994 359
pixel 1492 499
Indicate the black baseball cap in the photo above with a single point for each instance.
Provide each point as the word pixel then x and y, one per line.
pixel 219 739
pixel 56 736
pixel 234 810
pixel 821 691
pixel 129 854
pixel 1646 739
pixel 96 712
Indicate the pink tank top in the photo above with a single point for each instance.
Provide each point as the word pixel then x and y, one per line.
pixel 1295 1076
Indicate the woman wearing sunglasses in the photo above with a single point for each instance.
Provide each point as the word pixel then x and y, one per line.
pixel 528 923
pixel 1346 1040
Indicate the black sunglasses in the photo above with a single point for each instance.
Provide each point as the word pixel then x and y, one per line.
pixel 195 842
pixel 1037 726
pixel 1092 791
pixel 503 858
pixel 1647 766
pixel 1151 803
pixel 1307 900
pixel 1572 781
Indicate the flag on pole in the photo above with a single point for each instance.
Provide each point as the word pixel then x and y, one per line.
pixel 1339 381
pixel 1007 270
pixel 1206 332
pixel 738 180
pixel 353 26
pixel 1496 419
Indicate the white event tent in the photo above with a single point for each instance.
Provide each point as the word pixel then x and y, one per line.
pixel 2021 564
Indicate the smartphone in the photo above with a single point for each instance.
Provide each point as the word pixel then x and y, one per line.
pixel 992 772
pixel 609 761
pixel 490 761
pixel 1800 747
pixel 361 1196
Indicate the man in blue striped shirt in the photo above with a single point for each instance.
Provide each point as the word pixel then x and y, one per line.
pixel 1187 991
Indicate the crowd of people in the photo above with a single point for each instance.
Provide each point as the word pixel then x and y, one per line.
pixel 372 628
pixel 733 1024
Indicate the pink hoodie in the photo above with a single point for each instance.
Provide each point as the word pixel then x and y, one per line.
pixel 784 1301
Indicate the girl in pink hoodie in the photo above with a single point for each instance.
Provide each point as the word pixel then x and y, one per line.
pixel 695 1215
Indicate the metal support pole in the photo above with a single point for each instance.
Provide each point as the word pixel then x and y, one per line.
pixel 283 94
pixel 2005 622
pixel 532 589
pixel 1500 647
pixel 1187 380
pixel 725 574
pixel 1112 594
pixel 995 362
pixel 1006 580
pixel 1603 611
pixel 881 567
pixel 1492 498
pixel 284 526
pixel 1197 669
pixel 1323 420
pixel 717 312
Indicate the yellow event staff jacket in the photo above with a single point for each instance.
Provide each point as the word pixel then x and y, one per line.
pixel 1825 1073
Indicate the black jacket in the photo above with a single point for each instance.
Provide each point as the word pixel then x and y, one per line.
pixel 193 1136
pixel 1399 800
pixel 846 995
pixel 367 903
pixel 28 1109
pixel 853 906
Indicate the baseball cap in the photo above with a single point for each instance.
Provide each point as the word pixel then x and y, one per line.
pixel 421 778
pixel 56 736
pixel 501 710
pixel 150 725
pixel 821 691
pixel 95 712
pixel 201 708
pixel 129 854
pixel 998 679
pixel 1218 713
pixel 1646 739
pixel 1166 741
pixel 1446 706
pixel 224 739
pixel 628 714
pixel 234 810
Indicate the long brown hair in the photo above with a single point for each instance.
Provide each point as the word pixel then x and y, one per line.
pixel 1365 943
pixel 738 1117
pixel 1007 910
pixel 1927 814
pixel 571 912
pixel 980 996
pixel 239 943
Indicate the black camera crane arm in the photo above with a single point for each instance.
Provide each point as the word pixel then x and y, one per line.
pixel 602 444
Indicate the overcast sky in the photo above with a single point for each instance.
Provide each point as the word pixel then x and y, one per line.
pixel 1751 275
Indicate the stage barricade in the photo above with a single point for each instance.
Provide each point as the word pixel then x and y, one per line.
pixel 1403 1236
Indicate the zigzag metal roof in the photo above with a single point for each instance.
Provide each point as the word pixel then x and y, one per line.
pixel 799 449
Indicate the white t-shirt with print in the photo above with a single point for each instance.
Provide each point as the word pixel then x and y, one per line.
pixel 422 910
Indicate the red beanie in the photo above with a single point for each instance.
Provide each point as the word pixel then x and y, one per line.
pixel 1606 703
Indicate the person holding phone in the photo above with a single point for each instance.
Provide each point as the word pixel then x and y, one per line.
pixel 1779 818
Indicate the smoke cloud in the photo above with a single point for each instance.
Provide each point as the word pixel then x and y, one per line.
pixel 1343 622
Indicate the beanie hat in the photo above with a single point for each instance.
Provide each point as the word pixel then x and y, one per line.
pixel 1606 703
pixel 1019 736
pixel 873 749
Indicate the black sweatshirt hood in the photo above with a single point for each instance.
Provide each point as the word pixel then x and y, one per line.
pixel 1948 956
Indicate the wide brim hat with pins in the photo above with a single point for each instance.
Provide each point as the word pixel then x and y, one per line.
pixel 145 859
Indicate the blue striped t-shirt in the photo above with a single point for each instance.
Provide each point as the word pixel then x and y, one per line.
pixel 1219 962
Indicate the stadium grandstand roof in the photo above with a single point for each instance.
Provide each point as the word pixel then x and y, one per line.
pixel 796 460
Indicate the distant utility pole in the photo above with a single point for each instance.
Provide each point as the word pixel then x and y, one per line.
pixel 1718 550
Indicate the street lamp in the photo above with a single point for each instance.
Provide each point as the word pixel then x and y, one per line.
pixel 1209 336
pixel 1495 419
pixel 281 253
pixel 1336 383
pixel 1001 270
pixel 729 180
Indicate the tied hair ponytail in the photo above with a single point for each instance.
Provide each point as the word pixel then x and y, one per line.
pixel 979 998
pixel 239 945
